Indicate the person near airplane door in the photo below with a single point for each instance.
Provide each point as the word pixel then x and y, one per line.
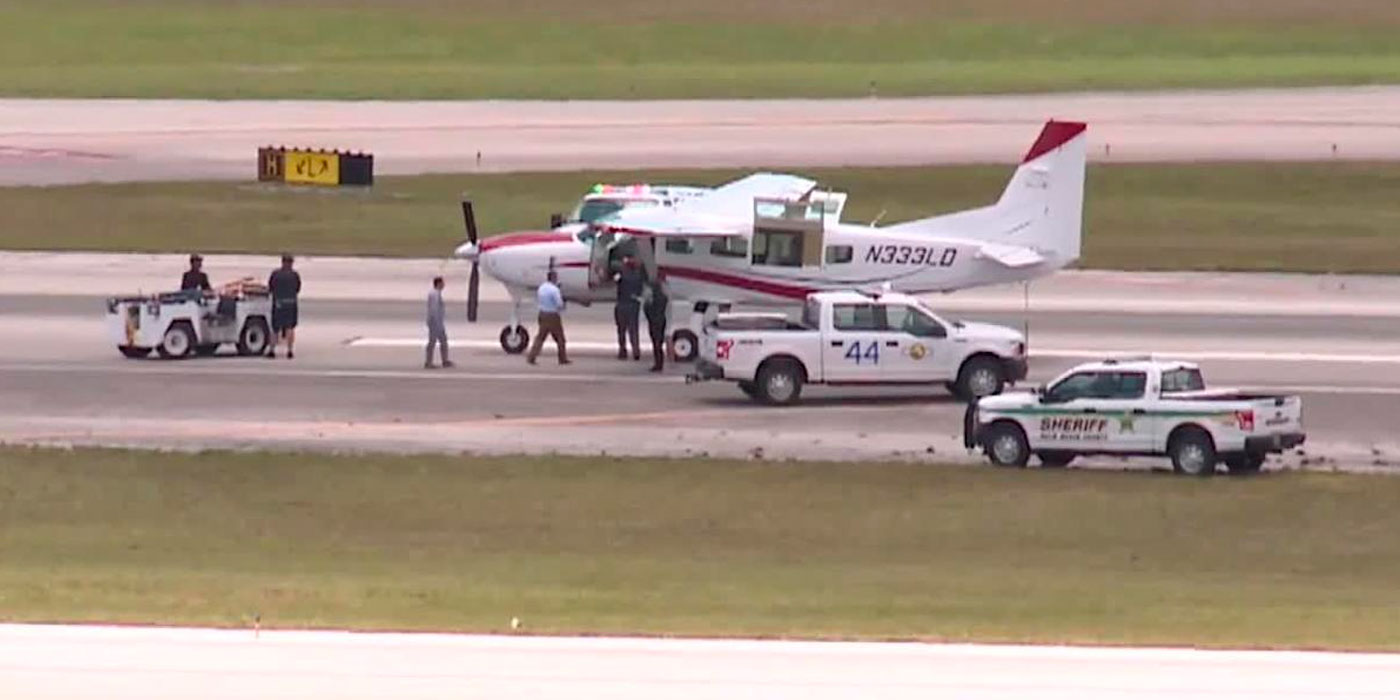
pixel 631 285
pixel 657 306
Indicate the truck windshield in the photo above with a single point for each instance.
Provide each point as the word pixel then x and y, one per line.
pixel 591 210
pixel 1179 380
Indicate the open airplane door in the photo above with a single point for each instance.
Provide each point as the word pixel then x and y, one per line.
pixel 600 260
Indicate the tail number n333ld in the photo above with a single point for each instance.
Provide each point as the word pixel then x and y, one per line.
pixel 911 255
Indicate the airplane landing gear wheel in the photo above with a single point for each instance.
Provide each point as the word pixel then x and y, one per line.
pixel 685 347
pixel 514 340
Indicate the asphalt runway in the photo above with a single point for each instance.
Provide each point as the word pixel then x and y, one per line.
pixel 65 663
pixel 357 382
pixel 66 141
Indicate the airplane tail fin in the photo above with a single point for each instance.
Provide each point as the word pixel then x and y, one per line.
pixel 1041 209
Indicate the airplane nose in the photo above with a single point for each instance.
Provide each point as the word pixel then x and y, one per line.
pixel 468 251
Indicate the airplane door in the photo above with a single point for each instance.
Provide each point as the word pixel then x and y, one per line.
pixel 600 262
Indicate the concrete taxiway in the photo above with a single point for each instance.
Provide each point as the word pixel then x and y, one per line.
pixel 357 382
pixel 62 663
pixel 66 141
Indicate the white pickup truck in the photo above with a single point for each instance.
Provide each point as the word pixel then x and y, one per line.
pixel 858 338
pixel 1135 406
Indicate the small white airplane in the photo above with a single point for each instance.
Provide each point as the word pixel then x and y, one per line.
pixel 771 240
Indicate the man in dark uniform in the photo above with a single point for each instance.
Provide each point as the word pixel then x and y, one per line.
pixel 656 309
pixel 194 278
pixel 284 284
pixel 631 283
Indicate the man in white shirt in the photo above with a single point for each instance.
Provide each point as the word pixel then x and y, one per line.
pixel 551 305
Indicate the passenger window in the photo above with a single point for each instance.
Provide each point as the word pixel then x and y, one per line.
pixel 1075 386
pixel 855 317
pixel 730 247
pixel 1179 380
pixel 679 246
pixel 1101 385
pixel 1131 385
pixel 777 248
pixel 907 319
pixel 839 254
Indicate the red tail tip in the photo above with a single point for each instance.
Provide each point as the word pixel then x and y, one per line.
pixel 1054 135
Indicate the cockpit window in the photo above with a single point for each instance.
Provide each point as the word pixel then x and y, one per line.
pixel 591 210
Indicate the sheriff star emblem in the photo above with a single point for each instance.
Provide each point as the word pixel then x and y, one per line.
pixel 918 351
pixel 1125 423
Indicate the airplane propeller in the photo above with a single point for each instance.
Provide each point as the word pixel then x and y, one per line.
pixel 474 284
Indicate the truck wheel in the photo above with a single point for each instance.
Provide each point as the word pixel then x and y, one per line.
pixel 252 340
pixel 514 340
pixel 1006 445
pixel 979 376
pixel 685 347
pixel 1055 460
pixel 1247 463
pixel 178 341
pixel 133 352
pixel 1193 453
pixel 779 383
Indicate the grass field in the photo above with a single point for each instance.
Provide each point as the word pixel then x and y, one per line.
pixel 641 48
pixel 1307 217
pixel 700 548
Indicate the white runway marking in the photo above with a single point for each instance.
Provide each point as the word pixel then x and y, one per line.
pixel 1237 355
pixel 84 661
pixel 472 344
pixel 545 371
pixel 1065 353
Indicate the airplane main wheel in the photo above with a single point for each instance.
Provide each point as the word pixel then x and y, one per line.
pixel 514 340
pixel 685 347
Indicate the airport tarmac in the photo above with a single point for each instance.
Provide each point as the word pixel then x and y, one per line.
pixel 357 382
pixel 69 141
pixel 69 662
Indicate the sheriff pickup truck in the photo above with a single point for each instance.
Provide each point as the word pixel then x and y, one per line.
pixel 1135 406
pixel 859 338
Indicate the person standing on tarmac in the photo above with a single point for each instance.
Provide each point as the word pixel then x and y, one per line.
pixel 551 305
pixel 631 284
pixel 284 284
pixel 437 325
pixel 194 278
pixel 658 305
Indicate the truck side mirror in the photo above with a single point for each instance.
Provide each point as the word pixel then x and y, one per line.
pixel 556 220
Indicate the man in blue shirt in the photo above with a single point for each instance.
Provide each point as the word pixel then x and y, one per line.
pixel 551 305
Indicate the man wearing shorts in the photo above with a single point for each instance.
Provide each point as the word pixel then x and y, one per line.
pixel 284 285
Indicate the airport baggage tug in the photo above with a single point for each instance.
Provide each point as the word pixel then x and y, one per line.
pixel 182 324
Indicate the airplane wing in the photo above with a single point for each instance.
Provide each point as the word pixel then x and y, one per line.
pixel 738 196
pixel 663 223
pixel 1010 255
pixel 723 212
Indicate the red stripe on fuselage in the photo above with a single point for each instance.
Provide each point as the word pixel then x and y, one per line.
pixel 776 289
pixel 510 240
